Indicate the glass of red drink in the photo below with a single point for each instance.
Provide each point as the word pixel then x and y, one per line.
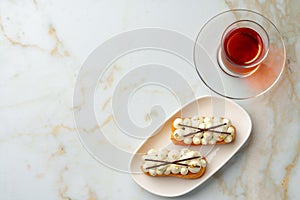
pixel 239 54
pixel 244 45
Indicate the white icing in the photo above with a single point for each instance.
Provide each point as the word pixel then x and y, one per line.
pixel 216 136
pixel 195 121
pixel 162 154
pixel 227 121
pixel 193 154
pixel 152 157
pixel 187 122
pixel 207 119
pixel 177 122
pixel 222 128
pixel 207 135
pixel 196 140
pixel 152 172
pixel 221 137
pixel 228 139
pixel 159 170
pixel 152 152
pixel 175 169
pixel 212 141
pixel 199 134
pixel 203 163
pixel 197 153
pixel 201 119
pixel 178 134
pixel 188 140
pixel 168 170
pixel 195 118
pixel 188 131
pixel 173 155
pixel 202 125
pixel 208 125
pixel 230 130
pixel 217 120
pixel 145 165
pixel 203 141
pixel 184 170
pixel 194 169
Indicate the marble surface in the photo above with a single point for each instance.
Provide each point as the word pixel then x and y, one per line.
pixel 43 45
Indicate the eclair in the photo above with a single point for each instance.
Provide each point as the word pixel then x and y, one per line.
pixel 199 130
pixel 182 163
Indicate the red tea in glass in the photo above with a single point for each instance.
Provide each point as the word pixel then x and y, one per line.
pixel 243 47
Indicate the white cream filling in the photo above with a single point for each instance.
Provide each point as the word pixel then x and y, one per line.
pixel 187 121
pixel 175 169
pixel 228 139
pixel 160 171
pixel 178 134
pixel 203 163
pixel 203 141
pixel 230 130
pixel 172 156
pixel 176 123
pixel 168 170
pixel 152 152
pixel 184 171
pixel 207 119
pixel 152 172
pixel 193 166
pixel 196 140
pixel 202 125
pixel 162 154
pixel 206 137
pixel 195 121
pixel 188 140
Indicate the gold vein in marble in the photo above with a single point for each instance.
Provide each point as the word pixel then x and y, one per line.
pixel 40 175
pixel 107 80
pixel 15 42
pixel 288 169
pixel 56 129
pixel 59 152
pixel 92 195
pixel 63 187
pixel 106 103
pixel 55 51
pixel 91 130
pixel 58 44
pixel 106 121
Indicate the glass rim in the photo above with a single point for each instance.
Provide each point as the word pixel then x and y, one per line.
pixel 255 62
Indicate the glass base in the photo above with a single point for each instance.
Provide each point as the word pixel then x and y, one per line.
pixel 226 70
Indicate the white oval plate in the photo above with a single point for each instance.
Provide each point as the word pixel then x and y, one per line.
pixel 216 155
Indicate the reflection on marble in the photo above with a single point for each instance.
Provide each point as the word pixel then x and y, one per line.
pixel 42 46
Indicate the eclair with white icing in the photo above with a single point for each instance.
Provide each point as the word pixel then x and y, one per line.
pixel 182 163
pixel 199 130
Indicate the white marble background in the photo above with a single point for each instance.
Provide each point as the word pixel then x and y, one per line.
pixel 42 47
